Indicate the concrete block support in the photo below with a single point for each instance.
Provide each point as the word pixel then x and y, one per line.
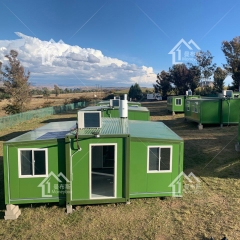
pixel 69 209
pixel 12 212
pixel 200 126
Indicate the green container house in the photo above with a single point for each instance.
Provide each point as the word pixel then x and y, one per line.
pixel 223 111
pixel 103 160
pixel 177 103
pixel 134 112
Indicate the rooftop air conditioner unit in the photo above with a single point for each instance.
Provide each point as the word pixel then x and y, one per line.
pixel 114 102
pixel 89 119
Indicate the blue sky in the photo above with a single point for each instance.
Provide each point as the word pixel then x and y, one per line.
pixel 111 42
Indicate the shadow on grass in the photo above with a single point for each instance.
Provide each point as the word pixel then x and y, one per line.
pixel 214 156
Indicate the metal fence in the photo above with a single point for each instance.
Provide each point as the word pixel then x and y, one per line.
pixel 12 120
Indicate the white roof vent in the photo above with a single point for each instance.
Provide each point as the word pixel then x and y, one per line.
pixel 89 119
pixel 123 109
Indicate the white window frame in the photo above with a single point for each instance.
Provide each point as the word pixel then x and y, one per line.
pixel 176 101
pixel 19 162
pixel 159 171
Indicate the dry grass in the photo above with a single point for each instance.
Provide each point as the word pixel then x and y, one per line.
pixel 40 102
pixel 212 212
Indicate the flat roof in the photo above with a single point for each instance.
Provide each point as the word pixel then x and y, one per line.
pixel 110 126
pixel 99 108
pixel 149 129
pixel 53 130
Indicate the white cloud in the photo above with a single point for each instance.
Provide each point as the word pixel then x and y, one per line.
pixel 48 60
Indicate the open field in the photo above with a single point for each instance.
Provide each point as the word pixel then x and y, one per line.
pixel 212 211
pixel 40 102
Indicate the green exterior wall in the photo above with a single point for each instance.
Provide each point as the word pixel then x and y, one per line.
pixel 230 111
pixel 212 110
pixel 79 170
pixel 133 178
pixel 26 190
pixel 132 114
pixel 172 106
pixel 239 127
pixel 144 184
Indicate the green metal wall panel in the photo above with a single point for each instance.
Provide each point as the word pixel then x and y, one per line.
pixel 203 111
pixel 210 111
pixel 132 115
pixel 230 111
pixel 23 190
pixel 172 103
pixel 144 184
pixel 80 167
pixel 213 110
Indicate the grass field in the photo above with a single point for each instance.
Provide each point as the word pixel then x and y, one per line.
pixel 212 212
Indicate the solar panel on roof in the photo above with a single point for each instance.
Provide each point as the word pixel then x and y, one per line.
pixel 53 135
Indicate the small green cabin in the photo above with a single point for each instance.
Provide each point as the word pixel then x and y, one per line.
pixel 134 112
pixel 177 103
pixel 223 111
pixel 113 162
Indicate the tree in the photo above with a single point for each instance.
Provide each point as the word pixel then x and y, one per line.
pixel 206 67
pixel 135 92
pixel 231 51
pixel 194 77
pixel 163 83
pixel 56 90
pixel 46 93
pixel 15 82
pixel 219 77
pixel 184 78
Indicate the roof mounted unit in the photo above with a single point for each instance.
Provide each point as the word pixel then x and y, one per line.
pixel 227 93
pixel 114 102
pixel 89 119
pixel 189 92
